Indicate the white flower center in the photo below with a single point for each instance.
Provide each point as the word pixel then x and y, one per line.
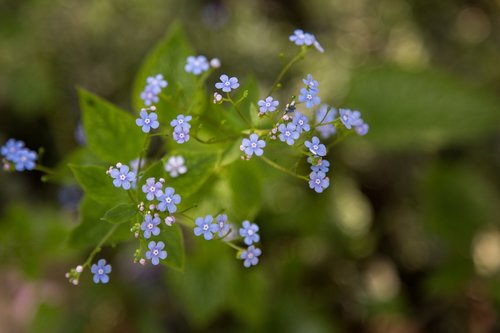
pixel 301 122
pixel 205 227
pixel 315 147
pixel 221 225
pixel 287 133
pixel 150 226
pixel 309 96
pixel 100 271
pixel 318 181
pixel 152 189
pixel 180 121
pixel 227 83
pixel 181 135
pixel 155 252
pixel 250 255
pixel 168 200
pixel 122 177
pixel 147 121
pixel 250 232
pixel 268 104
pixel 253 145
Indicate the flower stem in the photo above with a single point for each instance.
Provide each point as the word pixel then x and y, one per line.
pixel 237 108
pixel 279 167
pixel 45 169
pixel 97 249
pixel 286 68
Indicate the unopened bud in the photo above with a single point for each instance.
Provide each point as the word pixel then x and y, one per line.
pixel 79 268
pixel 215 63
pixel 142 261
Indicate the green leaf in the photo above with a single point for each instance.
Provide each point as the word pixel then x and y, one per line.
pixel 168 58
pixel 120 213
pixel 421 110
pixel 111 132
pixel 92 228
pixel 98 185
pixel 174 245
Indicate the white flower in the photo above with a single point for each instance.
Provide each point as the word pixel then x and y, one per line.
pixel 175 166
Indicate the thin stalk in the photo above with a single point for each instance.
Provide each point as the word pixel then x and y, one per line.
pixel 286 68
pixel 279 167
pixel 97 249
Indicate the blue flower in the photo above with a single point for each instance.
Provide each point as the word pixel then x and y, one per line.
pixel 362 129
pixel 250 233
pixel 205 227
pixel 156 252
pixel 301 122
pixel 152 188
pixel 180 135
pixel 318 181
pixel 175 166
pixel 350 118
pixel 253 145
pixel 316 147
pixel 196 65
pixel 150 225
pixel 222 225
pixel 181 122
pixel 288 133
pixel 147 121
pixel 326 115
pixel 149 96
pixel 101 271
pixel 300 37
pixel 318 164
pixel 123 177
pixel 227 84
pixel 169 200
pixel 156 83
pixel 250 257
pixel 309 97
pixel 11 149
pixel 25 160
pixel 310 82
pixel 267 105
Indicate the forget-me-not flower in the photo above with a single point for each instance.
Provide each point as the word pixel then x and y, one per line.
pixel 249 232
pixel 156 83
pixel 267 105
pixel 288 133
pixel 252 145
pixel 11 149
pixel 100 271
pixel 326 115
pixel 206 227
pixel 301 122
pixel 180 135
pixel 147 121
pixel 150 225
pixel 310 82
pixel 168 201
pixel 227 84
pixel 300 37
pixel 175 166
pixel 310 97
pixel 181 122
pixel 250 256
pixel 149 96
pixel 222 225
pixel 318 181
pixel 123 177
pixel 196 65
pixel 320 165
pixel 156 252
pixel 152 188
pixel 316 147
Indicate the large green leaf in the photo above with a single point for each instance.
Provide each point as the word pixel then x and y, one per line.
pixel 168 58
pixel 421 110
pixel 120 213
pixel 98 185
pixel 174 245
pixel 111 133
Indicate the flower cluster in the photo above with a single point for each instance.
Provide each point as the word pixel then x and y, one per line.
pixel 154 85
pixel 352 119
pixel 196 64
pixel 309 95
pixel 299 37
pixel 16 153
pixel 181 128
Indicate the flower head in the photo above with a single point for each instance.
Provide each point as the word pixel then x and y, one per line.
pixel 123 177
pixel 147 121
pixel 175 166
pixel 149 96
pixel 25 160
pixel 310 97
pixel 196 65
pixel 267 105
pixel 101 271
pixel 227 84
pixel 150 225
pixel 250 233
pixel 156 252
pixel 180 135
pixel 250 256
pixel 156 83
pixel 300 37
pixel 350 118
pixel 181 122
pixel 318 181
pixel 326 115
pixel 301 122
pixel 205 227
pixel 362 129
pixel 288 133
pixel 152 188
pixel 316 147
pixel 11 149
pixel 169 200
pixel 253 145
pixel 310 82
pixel 319 164
pixel 222 225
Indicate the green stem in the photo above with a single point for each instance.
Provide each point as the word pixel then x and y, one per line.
pixel 143 152
pixel 236 107
pixel 287 67
pixel 45 169
pixel 234 246
pixel 97 249
pixel 279 167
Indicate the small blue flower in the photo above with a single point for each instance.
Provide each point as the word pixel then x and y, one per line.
pixel 156 252
pixel 250 233
pixel 267 105
pixel 350 118
pixel 123 177
pixel 253 145
pixel 227 84
pixel 300 37
pixel 156 83
pixel 318 164
pixel 149 96
pixel 101 271
pixel 169 200
pixel 326 115
pixel 316 147
pixel 196 65
pixel 152 188
pixel 288 133
pixel 181 122
pixel 309 97
pixel 318 181
pixel 205 227
pixel 150 225
pixel 222 225
pixel 11 149
pixel 25 160
pixel 180 135
pixel 175 166
pixel 147 121
pixel 250 256
pixel 301 122
pixel 310 82
pixel 362 129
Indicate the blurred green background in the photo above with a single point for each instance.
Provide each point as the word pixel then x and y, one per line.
pixel 407 239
